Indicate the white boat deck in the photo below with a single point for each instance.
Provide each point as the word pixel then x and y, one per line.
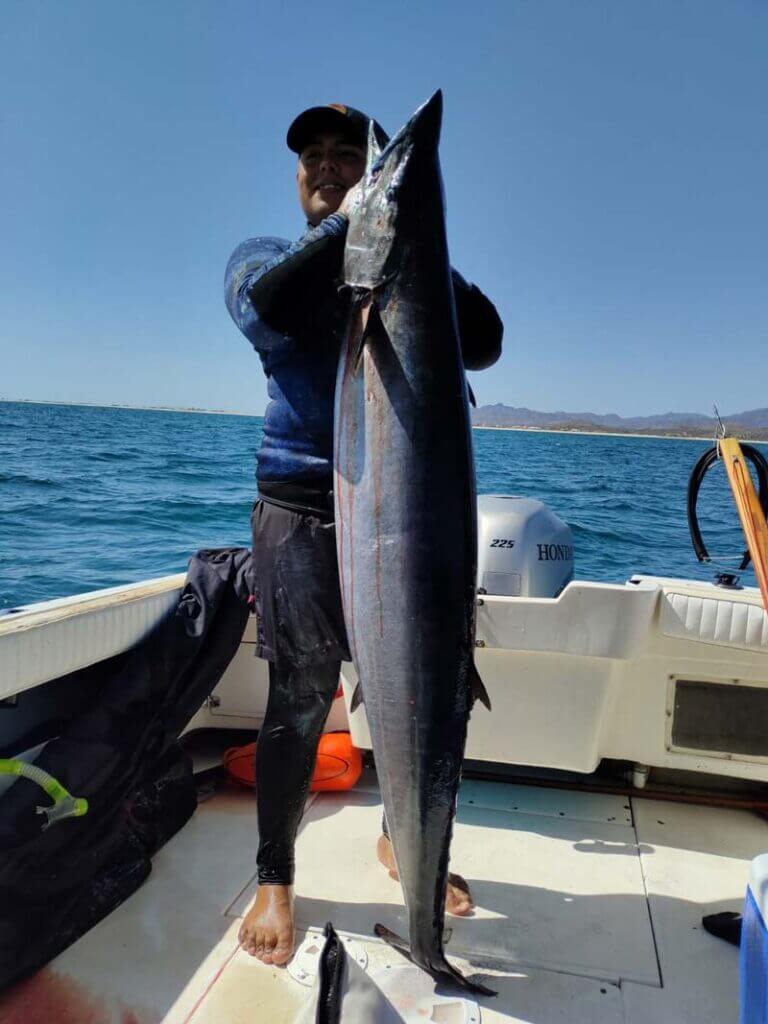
pixel 588 910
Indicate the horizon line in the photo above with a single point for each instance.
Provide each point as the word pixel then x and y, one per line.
pixel 253 415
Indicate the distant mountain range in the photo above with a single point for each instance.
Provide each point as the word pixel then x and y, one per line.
pixel 753 423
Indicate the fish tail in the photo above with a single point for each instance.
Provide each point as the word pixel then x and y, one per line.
pixel 435 964
pixel 445 970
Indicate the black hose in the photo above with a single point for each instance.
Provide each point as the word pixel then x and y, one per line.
pixel 758 460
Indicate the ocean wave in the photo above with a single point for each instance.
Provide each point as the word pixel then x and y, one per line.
pixel 28 481
pixel 108 456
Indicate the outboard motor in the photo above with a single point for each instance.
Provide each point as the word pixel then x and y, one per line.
pixel 524 550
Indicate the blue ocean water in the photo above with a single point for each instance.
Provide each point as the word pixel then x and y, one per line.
pixel 96 497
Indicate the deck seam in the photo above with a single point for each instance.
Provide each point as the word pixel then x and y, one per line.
pixel 210 985
pixel 647 897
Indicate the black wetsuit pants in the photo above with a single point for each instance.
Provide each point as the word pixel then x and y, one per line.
pixel 298 705
pixel 301 633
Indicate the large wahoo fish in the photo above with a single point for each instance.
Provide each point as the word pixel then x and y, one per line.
pixel 406 512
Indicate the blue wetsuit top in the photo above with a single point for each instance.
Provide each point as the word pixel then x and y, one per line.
pixel 284 298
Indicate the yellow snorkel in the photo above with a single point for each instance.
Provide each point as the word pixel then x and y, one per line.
pixel 64 804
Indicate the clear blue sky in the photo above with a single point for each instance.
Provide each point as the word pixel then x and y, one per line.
pixel 605 163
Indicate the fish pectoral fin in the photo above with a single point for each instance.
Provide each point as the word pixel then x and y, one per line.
pixel 371 326
pixel 357 355
pixel 357 698
pixel 362 302
pixel 477 688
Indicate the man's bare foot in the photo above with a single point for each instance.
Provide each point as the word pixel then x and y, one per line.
pixel 458 899
pixel 267 930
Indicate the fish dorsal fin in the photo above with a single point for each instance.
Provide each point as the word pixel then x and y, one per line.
pixel 357 698
pixel 375 147
pixel 343 993
pixel 477 687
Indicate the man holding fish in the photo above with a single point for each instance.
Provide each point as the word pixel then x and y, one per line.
pixel 287 300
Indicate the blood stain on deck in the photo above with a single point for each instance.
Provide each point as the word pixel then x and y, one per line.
pixel 49 997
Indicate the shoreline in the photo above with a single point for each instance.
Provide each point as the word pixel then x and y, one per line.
pixel 604 433
pixel 475 426
pixel 132 408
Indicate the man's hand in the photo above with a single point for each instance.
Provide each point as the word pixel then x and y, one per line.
pixel 351 200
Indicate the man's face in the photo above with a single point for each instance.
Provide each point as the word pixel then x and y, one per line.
pixel 329 166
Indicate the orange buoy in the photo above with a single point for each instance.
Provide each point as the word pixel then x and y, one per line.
pixel 240 763
pixel 338 765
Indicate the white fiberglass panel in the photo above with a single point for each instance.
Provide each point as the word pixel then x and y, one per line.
pixel 50 640
pixel 715 620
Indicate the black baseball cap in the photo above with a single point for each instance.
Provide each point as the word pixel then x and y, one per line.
pixel 333 117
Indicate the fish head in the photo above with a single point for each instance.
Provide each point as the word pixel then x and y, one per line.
pixel 399 195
